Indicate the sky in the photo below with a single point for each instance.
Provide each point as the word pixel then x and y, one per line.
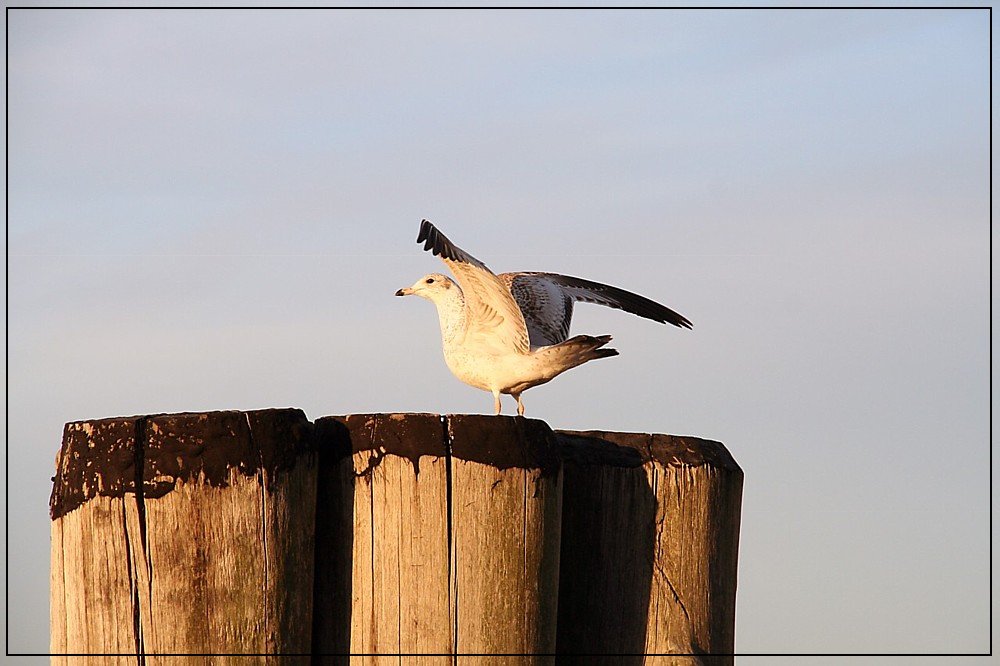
pixel 212 210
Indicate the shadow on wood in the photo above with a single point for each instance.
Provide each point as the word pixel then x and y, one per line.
pixel 455 543
pixel 331 633
pixel 649 552
pixel 606 564
pixel 257 533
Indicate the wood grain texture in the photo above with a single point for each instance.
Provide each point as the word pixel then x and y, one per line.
pixel 92 586
pixel 506 499
pixel 399 511
pixel 455 539
pixel 650 543
pixel 390 536
pixel 201 538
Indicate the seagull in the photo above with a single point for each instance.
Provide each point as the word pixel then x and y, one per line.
pixel 509 332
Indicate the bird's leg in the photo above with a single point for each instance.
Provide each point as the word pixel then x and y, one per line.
pixel 520 405
pixel 496 402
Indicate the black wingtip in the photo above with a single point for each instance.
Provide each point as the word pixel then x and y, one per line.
pixel 615 297
pixel 425 230
pixel 432 238
pixel 436 242
pixel 652 310
pixel 681 322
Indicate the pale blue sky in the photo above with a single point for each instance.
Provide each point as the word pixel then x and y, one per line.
pixel 212 210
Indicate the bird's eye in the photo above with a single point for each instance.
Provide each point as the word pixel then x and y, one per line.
pixel 429 280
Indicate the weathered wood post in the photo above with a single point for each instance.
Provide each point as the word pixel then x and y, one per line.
pixel 430 535
pixel 506 516
pixel 383 478
pixel 456 524
pixel 649 551
pixel 184 534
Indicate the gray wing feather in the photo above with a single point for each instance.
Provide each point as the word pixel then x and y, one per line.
pixel 547 309
pixel 546 301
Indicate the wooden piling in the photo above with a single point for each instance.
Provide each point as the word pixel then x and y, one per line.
pixel 507 512
pixel 455 536
pixel 184 534
pixel 386 536
pixel 649 551
pixel 395 469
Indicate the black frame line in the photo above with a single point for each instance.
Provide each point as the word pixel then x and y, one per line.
pixel 7 10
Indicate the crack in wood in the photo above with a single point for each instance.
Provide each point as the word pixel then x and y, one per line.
pixel 262 483
pixel 368 475
pixel 133 590
pixel 450 516
pixel 668 516
pixel 399 587
pixel 524 552
pixel 659 561
pixel 141 441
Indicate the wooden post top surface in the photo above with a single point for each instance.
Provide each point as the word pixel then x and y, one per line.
pixel 501 441
pixel 631 449
pixel 100 456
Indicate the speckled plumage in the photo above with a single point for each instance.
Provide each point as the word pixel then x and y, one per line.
pixel 546 308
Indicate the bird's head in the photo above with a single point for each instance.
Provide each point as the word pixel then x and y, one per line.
pixel 432 287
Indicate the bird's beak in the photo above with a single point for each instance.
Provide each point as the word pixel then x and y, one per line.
pixel 404 292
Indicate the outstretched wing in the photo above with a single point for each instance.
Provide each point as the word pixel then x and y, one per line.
pixel 546 299
pixel 492 316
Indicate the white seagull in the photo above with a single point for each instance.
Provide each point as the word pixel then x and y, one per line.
pixel 507 333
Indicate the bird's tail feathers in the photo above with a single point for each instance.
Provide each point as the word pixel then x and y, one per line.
pixel 582 348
